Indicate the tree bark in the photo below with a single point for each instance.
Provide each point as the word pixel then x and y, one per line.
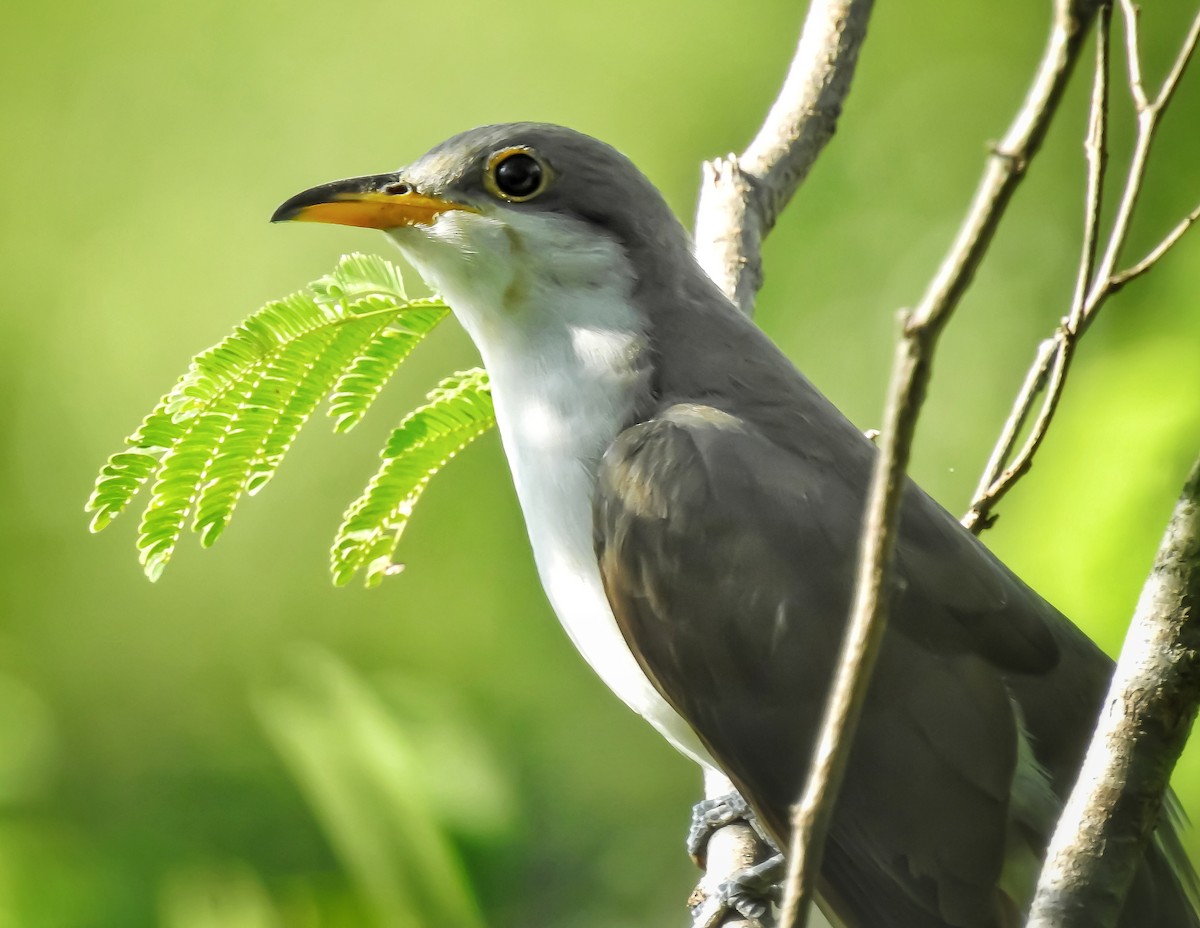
pixel 1151 706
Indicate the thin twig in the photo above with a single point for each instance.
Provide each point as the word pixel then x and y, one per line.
pixel 910 377
pixel 742 196
pixel 740 199
pixel 1095 150
pixel 1171 81
pixel 1151 705
pixel 1095 283
pixel 1065 351
pixel 1119 280
pixel 998 476
pixel 1133 55
pixel 988 490
pixel 1149 115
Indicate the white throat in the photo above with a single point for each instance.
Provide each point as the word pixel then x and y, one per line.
pixel 548 305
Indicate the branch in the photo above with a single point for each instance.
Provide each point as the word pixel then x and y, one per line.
pixel 1148 116
pixel 740 199
pixel 742 196
pixel 1094 283
pixel 732 848
pixel 1151 706
pixel 998 477
pixel 910 377
pixel 1119 280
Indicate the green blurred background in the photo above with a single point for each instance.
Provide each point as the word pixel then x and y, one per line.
pixel 244 745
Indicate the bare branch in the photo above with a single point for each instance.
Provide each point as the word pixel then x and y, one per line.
pixel 989 490
pixel 1147 121
pixel 740 199
pixel 1119 280
pixel 1133 54
pixel 742 196
pixel 1094 284
pixel 998 476
pixel 1149 115
pixel 1095 149
pixel 732 848
pixel 1063 344
pixel 1150 709
pixel 910 378
pixel 1171 81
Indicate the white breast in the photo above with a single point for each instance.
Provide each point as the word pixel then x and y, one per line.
pixel 561 343
pixel 555 428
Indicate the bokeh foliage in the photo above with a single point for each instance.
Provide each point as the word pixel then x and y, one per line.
pixel 243 744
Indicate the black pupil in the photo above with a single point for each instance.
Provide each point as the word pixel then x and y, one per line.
pixel 518 175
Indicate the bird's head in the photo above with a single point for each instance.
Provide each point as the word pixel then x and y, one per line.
pixel 499 212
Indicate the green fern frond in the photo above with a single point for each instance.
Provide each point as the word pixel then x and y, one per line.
pixel 222 431
pixel 458 411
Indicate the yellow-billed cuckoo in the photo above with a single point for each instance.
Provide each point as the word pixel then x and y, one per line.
pixel 694 505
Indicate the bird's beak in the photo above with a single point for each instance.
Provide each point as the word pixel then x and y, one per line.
pixel 377 201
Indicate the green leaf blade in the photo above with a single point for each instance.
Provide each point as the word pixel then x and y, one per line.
pixel 260 336
pixel 358 276
pixel 180 474
pixel 125 472
pixel 364 379
pixel 458 411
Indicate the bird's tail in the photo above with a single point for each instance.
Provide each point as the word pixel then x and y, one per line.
pixel 1165 891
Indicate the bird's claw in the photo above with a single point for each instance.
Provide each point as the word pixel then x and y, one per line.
pixel 751 893
pixel 710 814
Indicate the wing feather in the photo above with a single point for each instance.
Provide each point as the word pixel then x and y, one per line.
pixel 728 564
pixel 727 558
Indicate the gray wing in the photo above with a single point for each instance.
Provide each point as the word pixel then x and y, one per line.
pixel 728 562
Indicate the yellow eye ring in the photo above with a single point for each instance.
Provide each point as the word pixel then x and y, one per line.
pixel 516 174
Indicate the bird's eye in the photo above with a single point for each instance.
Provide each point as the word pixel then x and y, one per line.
pixel 516 174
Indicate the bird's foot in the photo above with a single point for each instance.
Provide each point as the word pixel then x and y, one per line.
pixel 750 894
pixel 710 814
pixel 744 895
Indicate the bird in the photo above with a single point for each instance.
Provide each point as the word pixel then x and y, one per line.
pixel 693 504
